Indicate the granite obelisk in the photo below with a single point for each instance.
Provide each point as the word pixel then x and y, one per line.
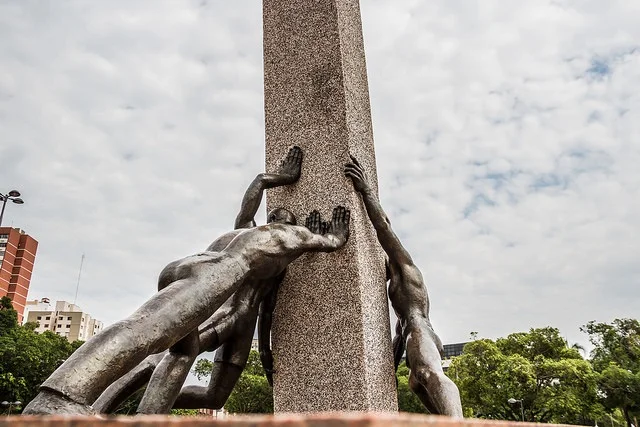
pixel 331 335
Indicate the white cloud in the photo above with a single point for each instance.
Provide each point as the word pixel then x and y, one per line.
pixel 132 132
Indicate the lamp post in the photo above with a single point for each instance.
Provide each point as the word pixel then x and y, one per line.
pixel 17 404
pixel 14 196
pixel 512 401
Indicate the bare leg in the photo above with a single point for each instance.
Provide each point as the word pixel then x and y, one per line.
pixel 421 392
pixel 169 375
pixel 398 345
pixel 230 359
pixel 131 382
pixel 153 328
pixel 427 379
pixel 135 379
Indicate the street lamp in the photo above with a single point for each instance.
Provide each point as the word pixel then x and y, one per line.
pixel 512 401
pixel 17 403
pixel 14 196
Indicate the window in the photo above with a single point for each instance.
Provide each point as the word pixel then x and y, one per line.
pixel 68 326
pixel 46 325
pixel 3 245
pixel 60 318
pixel 39 318
pixel 48 318
pixel 4 236
pixel 69 318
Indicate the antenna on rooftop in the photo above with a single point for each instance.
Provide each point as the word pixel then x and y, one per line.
pixel 79 273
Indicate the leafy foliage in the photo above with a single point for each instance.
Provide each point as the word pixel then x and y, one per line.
pixel 131 403
pixel 617 342
pixel 8 316
pixel 553 381
pixel 407 400
pixel 27 358
pixel 251 394
pixel 616 355
pixel 184 412
pixel 202 369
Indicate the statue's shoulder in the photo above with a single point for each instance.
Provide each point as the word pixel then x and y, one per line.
pixel 221 242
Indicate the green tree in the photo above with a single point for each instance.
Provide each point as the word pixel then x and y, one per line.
pixel 407 400
pixel 616 355
pixel 184 412
pixel 251 394
pixel 8 316
pixel 553 381
pixel 26 357
pixel 202 369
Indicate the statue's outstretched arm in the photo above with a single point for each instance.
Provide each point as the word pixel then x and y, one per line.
pixel 388 240
pixel 288 174
pixel 265 318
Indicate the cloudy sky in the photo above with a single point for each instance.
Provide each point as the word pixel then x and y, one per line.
pixel 133 127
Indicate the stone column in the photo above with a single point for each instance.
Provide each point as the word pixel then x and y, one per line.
pixel 331 335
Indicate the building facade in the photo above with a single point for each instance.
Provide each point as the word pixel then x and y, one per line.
pixel 67 320
pixel 451 351
pixel 17 256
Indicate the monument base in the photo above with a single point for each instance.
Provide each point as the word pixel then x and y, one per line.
pixel 348 419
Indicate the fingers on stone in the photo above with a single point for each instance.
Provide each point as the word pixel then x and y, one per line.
pixel 295 154
pixel 355 161
pixel 352 171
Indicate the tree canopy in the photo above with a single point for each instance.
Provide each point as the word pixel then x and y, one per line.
pixel 616 356
pixel 251 394
pixel 553 381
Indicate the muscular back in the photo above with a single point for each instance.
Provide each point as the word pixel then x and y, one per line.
pixel 408 292
pixel 269 249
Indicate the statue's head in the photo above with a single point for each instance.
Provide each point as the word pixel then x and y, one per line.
pixel 281 216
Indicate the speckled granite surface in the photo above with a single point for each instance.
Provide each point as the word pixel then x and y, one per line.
pixel 331 336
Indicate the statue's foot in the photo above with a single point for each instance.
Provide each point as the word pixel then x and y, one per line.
pixel 48 402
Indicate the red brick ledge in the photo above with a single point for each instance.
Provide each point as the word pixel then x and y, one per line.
pixel 353 419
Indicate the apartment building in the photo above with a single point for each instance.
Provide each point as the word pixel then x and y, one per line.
pixel 17 256
pixel 67 320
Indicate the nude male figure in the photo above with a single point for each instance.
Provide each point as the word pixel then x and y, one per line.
pixel 230 329
pixel 200 285
pixel 410 301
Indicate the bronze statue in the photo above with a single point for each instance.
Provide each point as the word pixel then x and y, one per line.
pixel 196 287
pixel 230 330
pixel 410 301
pixel 231 327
